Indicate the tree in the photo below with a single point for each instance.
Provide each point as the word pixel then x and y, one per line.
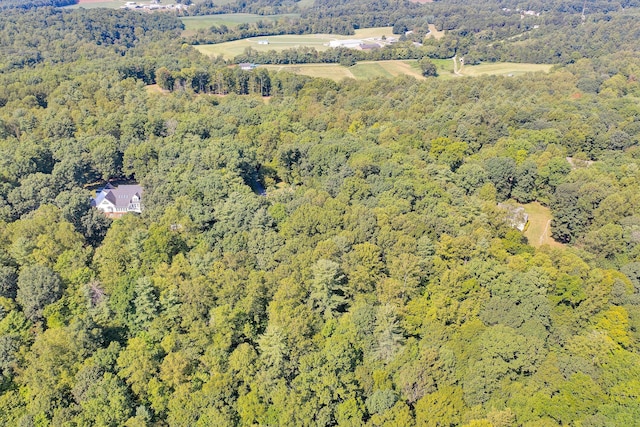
pixel 328 294
pixel 443 407
pixel 569 220
pixel 502 173
pixel 37 286
pixel 8 281
pixel 388 334
pixel 106 402
pixel 164 78
pixel 145 304
pixel 428 68
pixel 524 189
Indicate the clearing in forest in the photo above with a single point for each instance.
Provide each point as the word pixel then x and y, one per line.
pixel 94 4
pixel 445 69
pixel 503 68
pixel 361 71
pixel 192 23
pixel 370 69
pixel 433 32
pixel 320 42
pixel 538 231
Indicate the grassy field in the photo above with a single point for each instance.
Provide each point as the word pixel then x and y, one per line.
pixel 503 68
pixel 327 71
pixel 370 69
pixel 319 41
pixel 230 20
pixel 539 230
pixel 97 4
pixel 445 69
pixel 361 71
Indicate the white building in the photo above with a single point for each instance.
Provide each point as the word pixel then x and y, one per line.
pixel 117 201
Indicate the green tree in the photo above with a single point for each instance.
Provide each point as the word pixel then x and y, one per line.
pixel 502 173
pixel 388 334
pixel 145 304
pixel 37 286
pixel 428 68
pixel 328 294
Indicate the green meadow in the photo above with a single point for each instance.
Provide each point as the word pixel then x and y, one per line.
pixel 230 20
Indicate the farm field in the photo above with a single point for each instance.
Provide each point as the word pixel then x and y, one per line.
pixel 318 41
pixel 371 69
pixel 539 230
pixel 508 68
pixel 361 71
pixel 230 20
pixel 445 69
pixel 328 71
pixel 92 4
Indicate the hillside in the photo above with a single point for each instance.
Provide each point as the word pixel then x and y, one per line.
pixel 313 252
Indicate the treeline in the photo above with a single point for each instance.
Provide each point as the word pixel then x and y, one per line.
pixel 260 7
pixel 226 80
pixel 340 55
pixel 30 4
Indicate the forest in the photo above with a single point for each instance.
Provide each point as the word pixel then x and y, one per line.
pixel 375 282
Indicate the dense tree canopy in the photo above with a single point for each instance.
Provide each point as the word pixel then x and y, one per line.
pixel 311 252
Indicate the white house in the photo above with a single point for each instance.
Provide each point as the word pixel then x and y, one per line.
pixel 117 201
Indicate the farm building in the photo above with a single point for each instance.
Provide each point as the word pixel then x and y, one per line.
pixel 368 46
pixel 351 44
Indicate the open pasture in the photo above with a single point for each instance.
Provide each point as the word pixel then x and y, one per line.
pixel 372 69
pixel 504 68
pixel 94 4
pixel 318 41
pixel 192 23
pixel 361 71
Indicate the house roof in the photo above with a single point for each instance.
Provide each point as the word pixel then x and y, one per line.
pixel 119 196
pixel 367 46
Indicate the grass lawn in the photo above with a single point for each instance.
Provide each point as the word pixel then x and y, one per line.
pixel 539 230
pixel 192 23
